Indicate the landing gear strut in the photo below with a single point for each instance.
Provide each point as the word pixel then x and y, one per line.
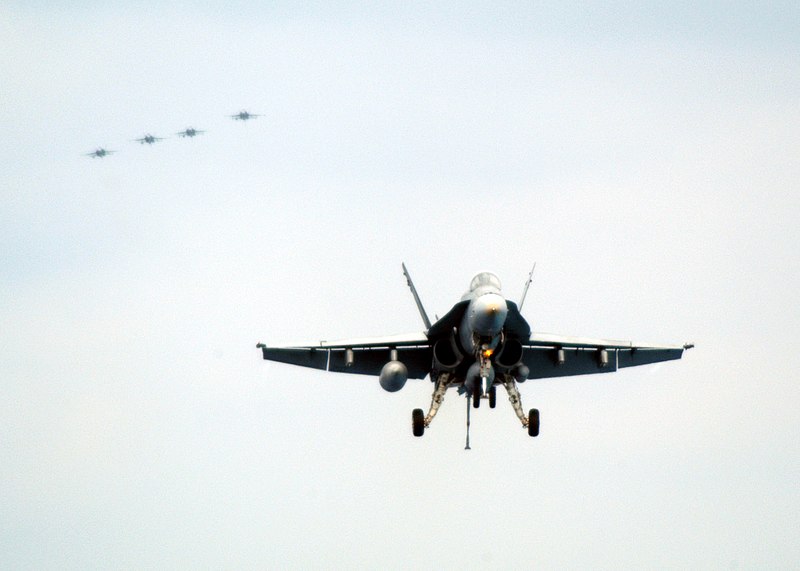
pixel 531 421
pixel 418 422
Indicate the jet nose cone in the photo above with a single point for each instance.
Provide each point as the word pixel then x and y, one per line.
pixel 488 314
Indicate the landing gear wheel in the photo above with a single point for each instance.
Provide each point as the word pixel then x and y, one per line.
pixel 418 422
pixel 492 397
pixel 533 422
pixel 476 398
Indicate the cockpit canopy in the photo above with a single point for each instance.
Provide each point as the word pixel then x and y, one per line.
pixel 484 282
pixel 485 279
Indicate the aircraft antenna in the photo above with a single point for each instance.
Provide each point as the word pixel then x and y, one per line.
pixel 422 313
pixel 468 407
pixel 527 285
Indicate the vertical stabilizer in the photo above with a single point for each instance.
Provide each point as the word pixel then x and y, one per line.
pixel 527 285
pixel 416 299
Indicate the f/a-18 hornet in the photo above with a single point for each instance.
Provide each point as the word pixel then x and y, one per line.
pixel 482 342
pixel 190 132
pixel 99 153
pixel 149 139
pixel 243 116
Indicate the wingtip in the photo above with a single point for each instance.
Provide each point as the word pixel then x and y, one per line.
pixel 688 346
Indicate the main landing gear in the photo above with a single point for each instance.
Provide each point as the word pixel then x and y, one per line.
pixel 420 421
pixel 531 422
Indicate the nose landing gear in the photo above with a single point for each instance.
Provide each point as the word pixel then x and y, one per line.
pixel 490 393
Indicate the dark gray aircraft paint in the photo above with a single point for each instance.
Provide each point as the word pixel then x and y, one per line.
pixel 482 342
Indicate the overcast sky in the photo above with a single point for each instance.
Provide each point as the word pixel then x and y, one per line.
pixel 645 158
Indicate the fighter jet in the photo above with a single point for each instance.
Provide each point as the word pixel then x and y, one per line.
pixel 149 139
pixel 243 116
pixel 99 153
pixel 482 342
pixel 190 132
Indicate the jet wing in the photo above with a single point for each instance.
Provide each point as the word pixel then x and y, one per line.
pixel 548 355
pixel 369 354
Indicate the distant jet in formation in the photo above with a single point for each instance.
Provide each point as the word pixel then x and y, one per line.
pixel 190 132
pixel 243 116
pixel 482 342
pixel 99 153
pixel 149 139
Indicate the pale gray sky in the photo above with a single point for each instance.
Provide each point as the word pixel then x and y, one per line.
pixel 646 158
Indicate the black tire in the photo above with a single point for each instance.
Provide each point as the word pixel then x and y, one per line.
pixel 533 422
pixel 476 398
pixel 493 397
pixel 418 422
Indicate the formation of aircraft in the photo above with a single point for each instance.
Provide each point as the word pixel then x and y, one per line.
pixel 483 342
pixel 99 153
pixel 188 132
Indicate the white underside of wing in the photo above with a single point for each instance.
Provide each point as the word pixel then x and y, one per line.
pixel 549 339
pixel 400 340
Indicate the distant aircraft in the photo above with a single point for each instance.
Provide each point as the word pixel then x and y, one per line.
pixel 99 153
pixel 190 132
pixel 149 139
pixel 482 342
pixel 243 116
